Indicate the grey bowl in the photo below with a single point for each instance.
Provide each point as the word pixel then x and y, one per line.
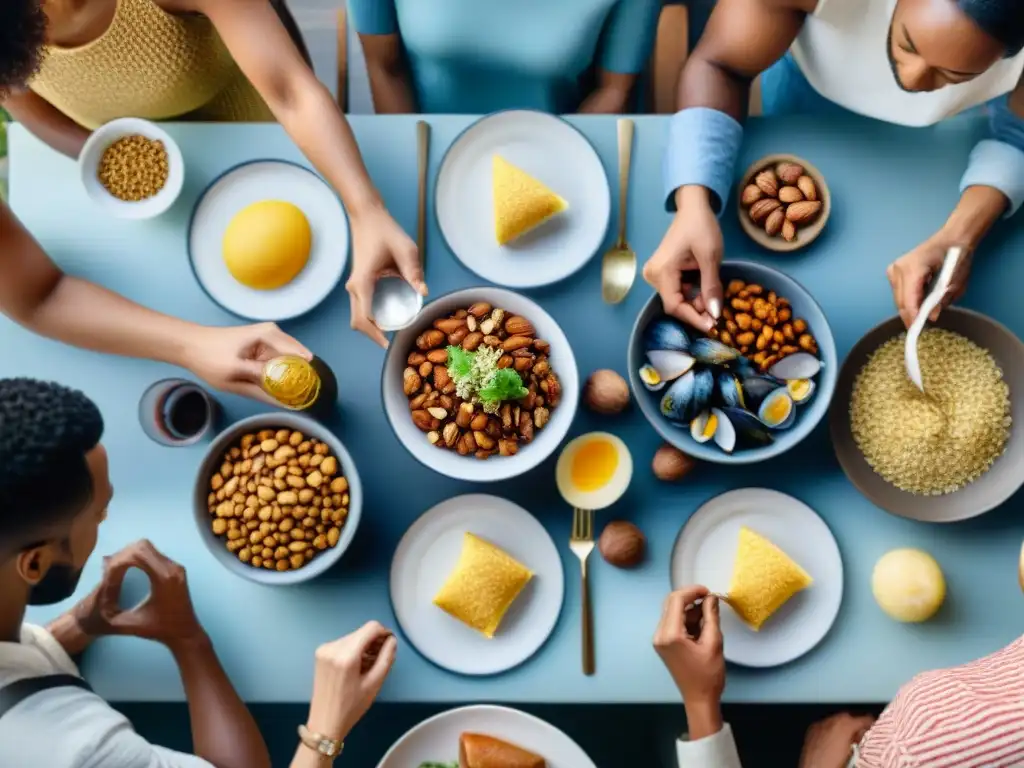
pixel 807 417
pixel 988 491
pixel 212 461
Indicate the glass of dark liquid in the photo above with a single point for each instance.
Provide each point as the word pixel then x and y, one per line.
pixel 177 412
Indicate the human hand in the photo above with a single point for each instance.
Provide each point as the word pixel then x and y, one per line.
pixel 910 275
pixel 827 743
pixel 693 242
pixel 380 248
pixel 349 675
pixel 231 359
pixel 691 646
pixel 165 616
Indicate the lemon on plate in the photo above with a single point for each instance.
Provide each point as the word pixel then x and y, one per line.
pixel 267 244
pixel 908 585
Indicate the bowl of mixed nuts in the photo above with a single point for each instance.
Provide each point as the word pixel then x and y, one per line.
pixel 483 387
pixel 277 498
pixel 783 202
pixel 751 388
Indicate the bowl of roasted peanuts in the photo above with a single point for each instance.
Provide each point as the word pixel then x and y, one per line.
pixel 783 202
pixel 277 498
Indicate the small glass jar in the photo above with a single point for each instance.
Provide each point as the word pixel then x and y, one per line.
pixel 300 385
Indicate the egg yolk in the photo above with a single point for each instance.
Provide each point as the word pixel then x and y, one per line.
pixel 798 389
pixel 594 464
pixel 778 411
pixel 710 426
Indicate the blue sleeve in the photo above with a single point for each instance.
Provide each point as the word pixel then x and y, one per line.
pixel 999 162
pixel 702 147
pixel 373 17
pixel 628 38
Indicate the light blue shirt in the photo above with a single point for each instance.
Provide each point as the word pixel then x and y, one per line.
pixel 480 56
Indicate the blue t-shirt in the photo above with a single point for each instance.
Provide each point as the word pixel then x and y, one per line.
pixel 479 56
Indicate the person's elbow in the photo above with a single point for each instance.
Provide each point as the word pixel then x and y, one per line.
pixel 291 96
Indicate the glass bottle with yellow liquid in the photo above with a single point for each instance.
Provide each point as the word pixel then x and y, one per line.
pixel 301 385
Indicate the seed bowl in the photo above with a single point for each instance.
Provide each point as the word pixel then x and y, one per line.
pixel 212 463
pixel 807 232
pixel 775 414
pixel 92 153
pixel 398 405
pixel 988 491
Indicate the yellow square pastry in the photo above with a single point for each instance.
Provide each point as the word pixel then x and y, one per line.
pixel 521 202
pixel 485 583
pixel 763 579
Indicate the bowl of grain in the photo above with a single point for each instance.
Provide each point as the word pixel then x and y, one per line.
pixel 132 168
pixel 950 453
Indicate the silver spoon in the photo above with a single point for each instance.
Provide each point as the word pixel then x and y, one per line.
pixel 939 290
pixel 618 268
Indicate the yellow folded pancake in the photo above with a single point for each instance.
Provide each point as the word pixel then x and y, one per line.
pixel 521 202
pixel 763 579
pixel 485 583
pixel 479 751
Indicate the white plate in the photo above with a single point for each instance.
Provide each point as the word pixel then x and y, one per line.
pixel 437 739
pixel 548 149
pixel 425 558
pixel 706 549
pixel 251 183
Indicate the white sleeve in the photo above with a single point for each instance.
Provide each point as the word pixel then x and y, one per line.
pixel 716 751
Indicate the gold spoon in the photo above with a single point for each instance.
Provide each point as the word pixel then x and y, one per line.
pixel 618 269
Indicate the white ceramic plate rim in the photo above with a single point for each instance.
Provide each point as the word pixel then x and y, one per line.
pixel 576 172
pixel 812 612
pixel 535 549
pixel 545 731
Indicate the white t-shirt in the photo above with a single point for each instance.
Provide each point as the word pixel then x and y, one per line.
pixel 68 727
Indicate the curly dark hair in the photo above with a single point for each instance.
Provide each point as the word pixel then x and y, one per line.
pixel 22 35
pixel 1002 19
pixel 45 432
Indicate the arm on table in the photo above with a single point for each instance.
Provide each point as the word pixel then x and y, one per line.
pixel 46 122
pixel 625 49
pixel 377 25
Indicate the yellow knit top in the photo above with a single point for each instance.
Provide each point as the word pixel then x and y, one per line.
pixel 153 65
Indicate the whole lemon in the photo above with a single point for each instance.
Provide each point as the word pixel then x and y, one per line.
pixel 266 245
pixel 908 585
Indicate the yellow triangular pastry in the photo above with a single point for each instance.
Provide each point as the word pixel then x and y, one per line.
pixel 763 579
pixel 521 202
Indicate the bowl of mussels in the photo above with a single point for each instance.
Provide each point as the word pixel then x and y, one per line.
pixel 751 388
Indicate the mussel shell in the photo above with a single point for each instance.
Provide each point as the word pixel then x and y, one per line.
pixel 777 411
pixel 712 352
pixel 730 390
pixel 666 334
pixel 801 390
pixel 743 367
pixel 670 364
pixel 750 432
pixel 725 432
pixel 703 427
pixel 756 389
pixel 651 378
pixel 688 396
pixel 801 365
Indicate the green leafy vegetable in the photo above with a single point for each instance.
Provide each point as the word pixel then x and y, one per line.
pixel 439 765
pixel 460 363
pixel 504 384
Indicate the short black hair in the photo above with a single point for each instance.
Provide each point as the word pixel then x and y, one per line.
pixel 1002 19
pixel 22 37
pixel 46 430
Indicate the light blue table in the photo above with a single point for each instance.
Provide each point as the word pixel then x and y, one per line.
pixel 891 188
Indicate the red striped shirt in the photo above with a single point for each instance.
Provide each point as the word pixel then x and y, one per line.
pixel 965 717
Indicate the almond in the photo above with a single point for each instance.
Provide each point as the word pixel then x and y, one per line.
pixel 431 339
pixel 472 341
pixel 789 172
pixel 441 377
pixel 437 357
pixel 759 211
pixel 803 212
pixel 788 231
pixel 773 223
pixel 449 325
pixel 751 194
pixel 767 182
pixel 806 185
pixel 513 343
pixel 480 310
pixel 425 421
pixel 519 326
pixel 790 195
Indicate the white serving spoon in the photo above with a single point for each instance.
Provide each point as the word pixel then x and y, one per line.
pixel 939 289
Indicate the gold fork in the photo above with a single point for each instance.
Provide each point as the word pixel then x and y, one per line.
pixel 581 542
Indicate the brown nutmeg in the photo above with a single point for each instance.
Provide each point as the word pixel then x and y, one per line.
pixel 671 464
pixel 606 392
pixel 622 544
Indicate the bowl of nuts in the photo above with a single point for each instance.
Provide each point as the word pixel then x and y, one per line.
pixel 482 387
pixel 277 499
pixel 749 390
pixel 132 168
pixel 783 202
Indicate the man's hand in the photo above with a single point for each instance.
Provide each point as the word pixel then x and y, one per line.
pixel 910 275
pixel 166 616
pixel 693 242
pixel 231 359
pixel 827 743
pixel 349 675
pixel 380 248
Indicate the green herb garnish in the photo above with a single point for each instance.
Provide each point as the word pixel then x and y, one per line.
pixel 460 363
pixel 504 384
pixel 478 379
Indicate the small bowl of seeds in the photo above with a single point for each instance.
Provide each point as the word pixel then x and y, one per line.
pixel 132 168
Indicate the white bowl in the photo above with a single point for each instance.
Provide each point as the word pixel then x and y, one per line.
pixel 469 468
pixel 92 153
